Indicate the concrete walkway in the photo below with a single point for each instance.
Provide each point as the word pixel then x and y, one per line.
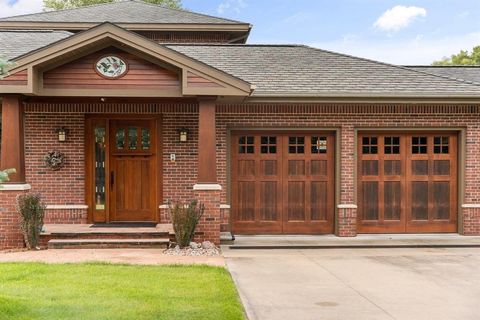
pixel 358 284
pixel 130 256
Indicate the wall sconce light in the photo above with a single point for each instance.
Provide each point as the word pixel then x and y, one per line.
pixel 62 134
pixel 183 133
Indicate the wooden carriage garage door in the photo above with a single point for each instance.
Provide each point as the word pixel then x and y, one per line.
pixel 407 182
pixel 283 182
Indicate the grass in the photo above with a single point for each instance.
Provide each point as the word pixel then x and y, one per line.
pixel 107 291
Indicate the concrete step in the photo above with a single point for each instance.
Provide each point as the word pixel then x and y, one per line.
pixel 108 243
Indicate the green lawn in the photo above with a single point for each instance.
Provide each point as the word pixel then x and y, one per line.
pixel 108 291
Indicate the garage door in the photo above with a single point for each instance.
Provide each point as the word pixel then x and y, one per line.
pixel 283 182
pixel 407 182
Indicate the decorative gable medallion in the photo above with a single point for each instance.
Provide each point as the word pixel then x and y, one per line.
pixel 111 67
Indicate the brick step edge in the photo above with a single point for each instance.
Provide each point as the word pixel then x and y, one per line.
pixel 107 243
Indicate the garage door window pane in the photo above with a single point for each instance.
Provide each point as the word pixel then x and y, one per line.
pixel 441 145
pixel 419 145
pixel 392 145
pixel 319 145
pixel 296 144
pixel 369 145
pixel 268 144
pixel 246 144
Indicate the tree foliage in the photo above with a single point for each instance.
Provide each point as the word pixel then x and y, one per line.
pixel 5 65
pixel 69 4
pixel 464 57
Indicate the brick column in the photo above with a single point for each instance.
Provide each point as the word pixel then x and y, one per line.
pixel 346 225
pixel 207 190
pixel 10 234
pixel 469 217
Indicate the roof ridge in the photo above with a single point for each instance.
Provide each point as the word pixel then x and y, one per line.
pixel 184 10
pixel 394 66
pixel 63 10
pixel 114 2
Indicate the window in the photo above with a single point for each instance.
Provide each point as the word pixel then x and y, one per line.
pixel 369 145
pixel 99 134
pixel 392 145
pixel 319 145
pixel 440 145
pixel 419 145
pixel 268 144
pixel 296 144
pixel 246 144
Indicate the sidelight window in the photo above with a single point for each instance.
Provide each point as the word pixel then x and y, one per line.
pixel 99 133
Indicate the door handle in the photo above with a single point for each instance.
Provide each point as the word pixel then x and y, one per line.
pixel 112 179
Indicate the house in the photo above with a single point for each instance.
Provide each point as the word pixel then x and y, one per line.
pixel 148 104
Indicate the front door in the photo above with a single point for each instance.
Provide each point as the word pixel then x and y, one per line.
pixel 283 182
pixel 132 170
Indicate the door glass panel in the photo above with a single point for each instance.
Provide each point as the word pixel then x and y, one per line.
pixel 246 144
pixel 146 139
pixel 120 139
pixel 99 168
pixel 420 200
pixel 132 138
pixel 370 200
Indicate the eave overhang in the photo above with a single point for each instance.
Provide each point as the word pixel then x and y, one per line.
pixel 108 34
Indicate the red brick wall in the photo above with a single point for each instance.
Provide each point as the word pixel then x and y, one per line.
pixel 65 186
pixel 10 233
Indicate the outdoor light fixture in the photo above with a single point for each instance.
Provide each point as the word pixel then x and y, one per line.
pixel 183 132
pixel 62 134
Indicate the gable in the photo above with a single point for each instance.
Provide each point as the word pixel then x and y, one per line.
pixel 81 74
pixel 65 68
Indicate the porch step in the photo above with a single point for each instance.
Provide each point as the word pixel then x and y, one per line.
pixel 108 243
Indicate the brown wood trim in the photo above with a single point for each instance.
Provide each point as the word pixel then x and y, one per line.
pixel 13 146
pixel 207 160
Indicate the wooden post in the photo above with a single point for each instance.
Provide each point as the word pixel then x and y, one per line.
pixel 13 153
pixel 207 158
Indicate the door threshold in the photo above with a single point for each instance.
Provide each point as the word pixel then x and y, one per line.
pixel 125 224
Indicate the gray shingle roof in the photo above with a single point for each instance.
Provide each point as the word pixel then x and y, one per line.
pixel 467 73
pixel 14 43
pixel 131 11
pixel 300 70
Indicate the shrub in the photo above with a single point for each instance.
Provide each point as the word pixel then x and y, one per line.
pixel 185 218
pixel 31 209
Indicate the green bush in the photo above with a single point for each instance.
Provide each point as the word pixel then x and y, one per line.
pixel 31 209
pixel 185 218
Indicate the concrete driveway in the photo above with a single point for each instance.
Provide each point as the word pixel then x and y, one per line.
pixel 358 283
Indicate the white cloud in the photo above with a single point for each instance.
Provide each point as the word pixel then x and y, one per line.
pixel 418 50
pixel 231 5
pixel 399 17
pixel 14 8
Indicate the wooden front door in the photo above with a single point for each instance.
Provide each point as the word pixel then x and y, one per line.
pixel 283 182
pixel 132 170
pixel 407 182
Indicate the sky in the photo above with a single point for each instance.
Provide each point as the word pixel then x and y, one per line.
pixel 393 31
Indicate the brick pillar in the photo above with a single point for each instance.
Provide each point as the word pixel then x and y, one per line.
pixel 10 234
pixel 346 225
pixel 209 226
pixel 471 220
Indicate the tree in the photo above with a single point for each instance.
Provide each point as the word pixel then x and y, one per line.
pixel 462 58
pixel 5 65
pixel 69 4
